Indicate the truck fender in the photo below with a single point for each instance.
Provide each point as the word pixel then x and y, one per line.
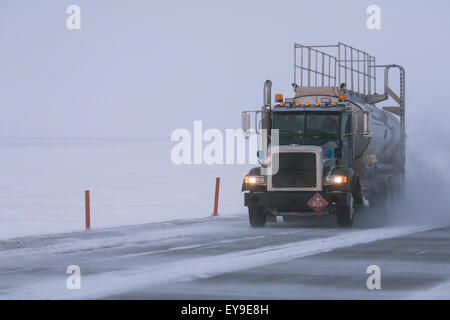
pixel 352 180
pixel 256 171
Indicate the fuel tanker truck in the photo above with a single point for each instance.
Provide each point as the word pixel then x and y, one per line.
pixel 328 150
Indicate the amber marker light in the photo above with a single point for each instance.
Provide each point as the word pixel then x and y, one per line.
pixel 278 97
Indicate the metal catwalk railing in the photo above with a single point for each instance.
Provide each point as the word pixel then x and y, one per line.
pixel 333 65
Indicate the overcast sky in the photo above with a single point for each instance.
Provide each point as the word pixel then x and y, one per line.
pixel 145 68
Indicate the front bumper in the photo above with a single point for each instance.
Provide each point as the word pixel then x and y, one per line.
pixel 294 201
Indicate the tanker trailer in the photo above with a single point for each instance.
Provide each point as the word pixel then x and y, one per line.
pixel 329 150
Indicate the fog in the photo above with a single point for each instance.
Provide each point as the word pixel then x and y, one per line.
pixel 144 68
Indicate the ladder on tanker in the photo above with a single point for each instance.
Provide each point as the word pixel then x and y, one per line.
pixel 343 68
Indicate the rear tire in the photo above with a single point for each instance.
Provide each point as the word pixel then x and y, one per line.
pixel 257 217
pixel 345 213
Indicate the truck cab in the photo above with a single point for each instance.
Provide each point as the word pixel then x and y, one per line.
pixel 314 154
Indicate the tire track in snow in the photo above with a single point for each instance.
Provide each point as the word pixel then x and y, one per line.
pixel 111 283
pixel 439 292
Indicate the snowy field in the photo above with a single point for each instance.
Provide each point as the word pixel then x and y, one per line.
pixel 131 182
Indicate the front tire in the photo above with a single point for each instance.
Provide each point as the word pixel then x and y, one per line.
pixel 257 217
pixel 345 213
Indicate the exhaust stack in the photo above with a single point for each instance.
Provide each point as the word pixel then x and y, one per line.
pixel 268 94
pixel 266 112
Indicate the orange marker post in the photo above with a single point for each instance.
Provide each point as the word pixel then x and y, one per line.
pixel 216 198
pixel 88 209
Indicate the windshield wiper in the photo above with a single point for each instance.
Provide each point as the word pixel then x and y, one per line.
pixel 291 133
pixel 321 133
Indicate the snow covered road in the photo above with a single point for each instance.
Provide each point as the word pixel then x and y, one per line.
pixel 222 257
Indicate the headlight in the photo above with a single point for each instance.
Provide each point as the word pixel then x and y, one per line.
pixel 334 179
pixel 255 180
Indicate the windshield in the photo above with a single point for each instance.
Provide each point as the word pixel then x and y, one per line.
pixel 306 128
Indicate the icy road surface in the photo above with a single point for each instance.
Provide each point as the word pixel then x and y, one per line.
pixel 222 257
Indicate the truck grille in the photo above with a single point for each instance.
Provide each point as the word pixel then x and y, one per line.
pixel 296 170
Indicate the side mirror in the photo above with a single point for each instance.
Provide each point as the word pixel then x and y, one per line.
pixel 366 124
pixel 246 123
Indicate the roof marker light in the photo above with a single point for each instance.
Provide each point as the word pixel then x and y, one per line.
pixel 307 104
pixel 342 96
pixel 278 97
pixel 317 103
